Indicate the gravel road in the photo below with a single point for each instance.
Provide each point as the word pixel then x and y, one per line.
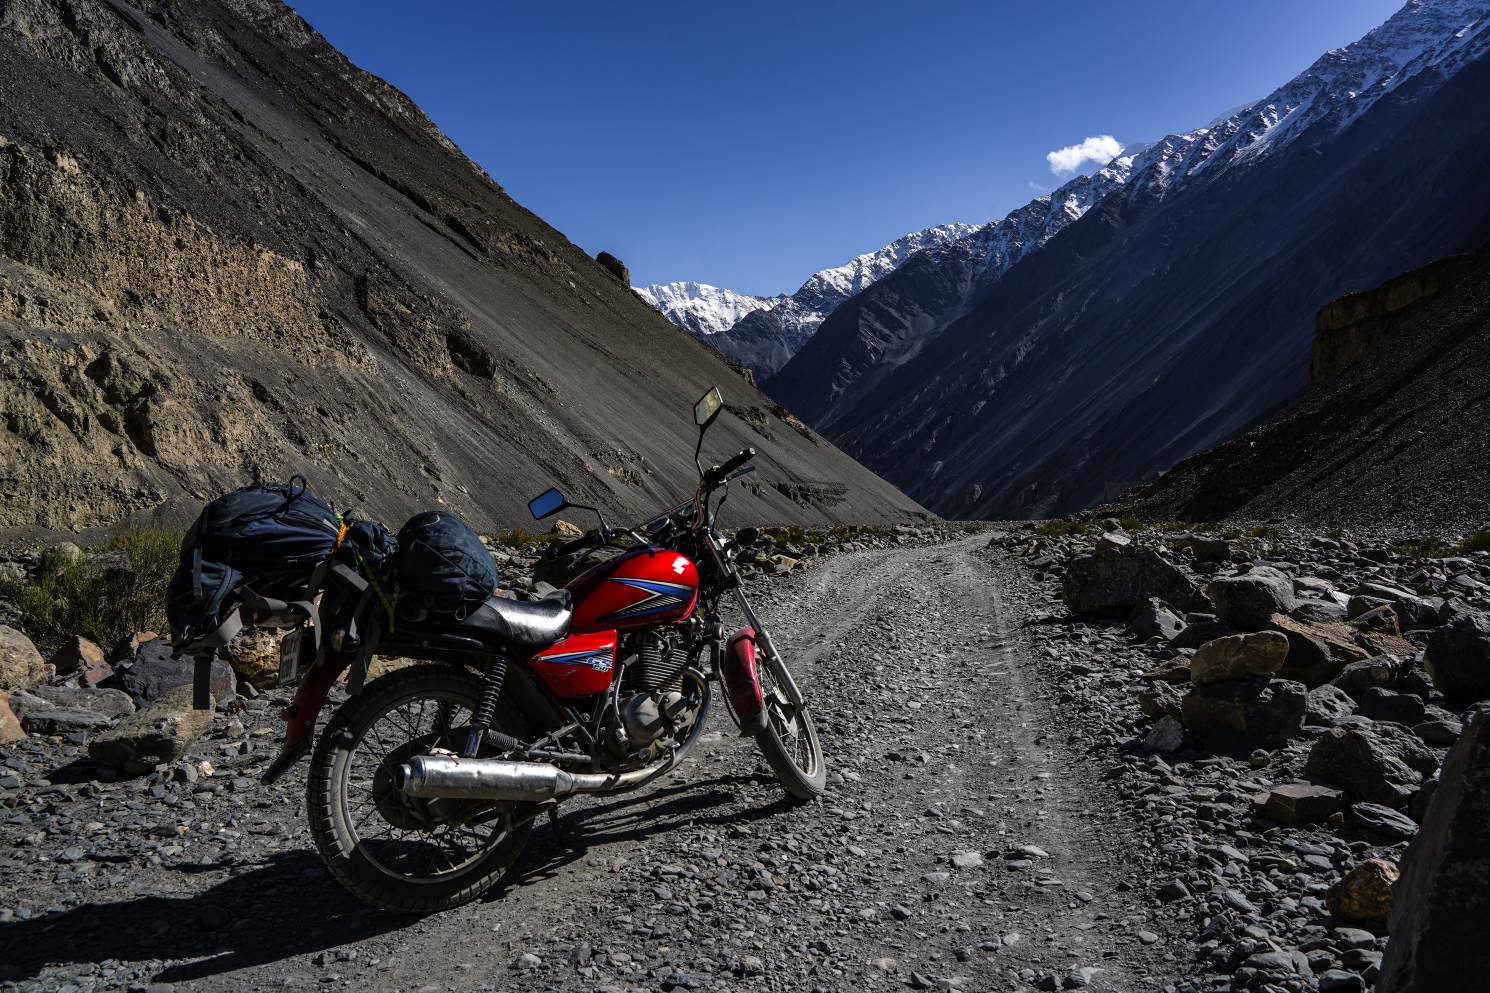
pixel 966 842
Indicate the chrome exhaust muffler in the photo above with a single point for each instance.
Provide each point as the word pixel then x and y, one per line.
pixel 502 779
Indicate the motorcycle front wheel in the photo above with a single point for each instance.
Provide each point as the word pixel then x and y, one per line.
pixel 402 853
pixel 790 744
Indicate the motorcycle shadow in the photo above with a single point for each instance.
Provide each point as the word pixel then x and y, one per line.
pixel 634 818
pixel 236 924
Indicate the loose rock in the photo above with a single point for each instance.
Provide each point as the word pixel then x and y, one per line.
pixel 1250 600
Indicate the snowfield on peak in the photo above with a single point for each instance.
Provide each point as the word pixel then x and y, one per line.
pixel 762 333
pixel 700 309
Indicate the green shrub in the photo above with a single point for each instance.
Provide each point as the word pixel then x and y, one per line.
pixel 1427 547
pixel 518 538
pixel 1432 547
pixel 87 598
pixel 1479 541
pixel 1059 528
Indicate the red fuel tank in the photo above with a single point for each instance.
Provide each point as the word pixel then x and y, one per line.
pixel 642 588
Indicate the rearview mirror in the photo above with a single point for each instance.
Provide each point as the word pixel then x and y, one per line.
pixel 708 407
pixel 550 501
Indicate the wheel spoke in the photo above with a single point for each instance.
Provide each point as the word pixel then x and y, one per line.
pixel 410 837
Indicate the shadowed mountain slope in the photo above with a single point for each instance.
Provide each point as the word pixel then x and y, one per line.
pixel 223 246
pixel 1399 435
pixel 1176 310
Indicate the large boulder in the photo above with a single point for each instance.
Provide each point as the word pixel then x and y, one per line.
pixel 162 732
pixel 1458 658
pixel 1382 704
pixel 21 665
pixel 1255 711
pixel 1442 901
pixel 1382 763
pixel 1383 820
pixel 10 726
pixel 1210 549
pixel 1297 804
pixel 1154 619
pixel 1238 656
pixel 154 672
pixel 1364 894
pixel 63 720
pixel 1328 705
pixel 1358 677
pixel 1414 610
pixel 84 660
pixel 254 656
pixel 109 702
pixel 1249 600
pixel 1317 650
pixel 1117 578
pixel 1159 700
pixel 1199 629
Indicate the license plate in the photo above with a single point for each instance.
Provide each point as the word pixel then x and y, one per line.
pixel 289 657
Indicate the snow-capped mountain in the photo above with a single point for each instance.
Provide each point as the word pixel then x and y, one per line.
pixel 1165 302
pixel 1441 36
pixel 924 296
pixel 700 309
pixel 762 333
pixel 1337 89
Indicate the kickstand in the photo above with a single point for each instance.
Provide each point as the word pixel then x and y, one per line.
pixel 553 820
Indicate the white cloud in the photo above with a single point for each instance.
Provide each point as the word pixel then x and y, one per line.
pixel 1099 149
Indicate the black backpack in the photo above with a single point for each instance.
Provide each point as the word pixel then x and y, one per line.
pixel 269 536
pixel 442 569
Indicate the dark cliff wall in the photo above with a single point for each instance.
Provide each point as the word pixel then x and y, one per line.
pixel 1347 328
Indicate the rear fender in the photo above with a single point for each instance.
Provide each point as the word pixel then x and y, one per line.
pixel 301 714
pixel 742 682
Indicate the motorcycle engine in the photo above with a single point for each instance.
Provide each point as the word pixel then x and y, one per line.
pixel 653 703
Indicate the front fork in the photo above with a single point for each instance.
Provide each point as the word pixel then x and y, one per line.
pixel 763 641
pixel 760 636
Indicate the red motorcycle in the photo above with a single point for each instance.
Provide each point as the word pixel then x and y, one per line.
pixel 425 785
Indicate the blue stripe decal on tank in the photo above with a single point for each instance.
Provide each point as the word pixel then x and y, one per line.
pixel 660 597
pixel 599 661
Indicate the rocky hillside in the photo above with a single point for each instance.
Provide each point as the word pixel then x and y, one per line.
pixel 1391 432
pixel 223 246
pixel 1176 311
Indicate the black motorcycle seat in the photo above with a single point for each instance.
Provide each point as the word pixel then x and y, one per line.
pixel 522 624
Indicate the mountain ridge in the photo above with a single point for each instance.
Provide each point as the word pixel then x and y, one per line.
pixel 764 337
pixel 851 381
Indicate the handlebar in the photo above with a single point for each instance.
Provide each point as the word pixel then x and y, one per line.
pixel 720 473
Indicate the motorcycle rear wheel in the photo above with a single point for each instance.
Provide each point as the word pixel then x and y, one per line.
pixel 396 852
pixel 790 744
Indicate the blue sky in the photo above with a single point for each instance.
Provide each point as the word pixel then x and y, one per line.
pixel 748 145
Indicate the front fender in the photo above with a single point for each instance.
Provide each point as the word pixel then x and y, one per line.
pixel 742 682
